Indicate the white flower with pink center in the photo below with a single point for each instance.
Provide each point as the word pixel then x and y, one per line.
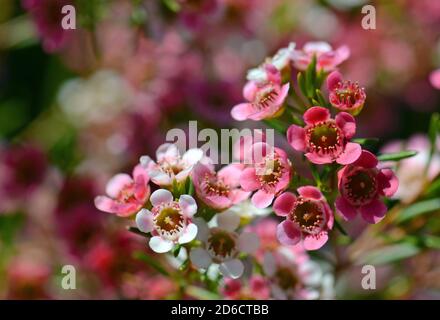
pixel 169 221
pixel 222 245
pixel 170 165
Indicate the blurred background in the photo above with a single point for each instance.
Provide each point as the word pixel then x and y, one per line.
pixel 77 106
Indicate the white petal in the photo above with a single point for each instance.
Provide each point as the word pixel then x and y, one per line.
pixel 145 161
pixel 160 178
pixel 200 258
pixel 159 245
pixel 278 293
pixel 248 242
pixel 269 264
pixel 144 220
pixel 228 220
pixel 167 151
pixel 115 184
pixel 317 46
pixel 189 234
pixel 192 156
pixel 188 205
pixel 202 229
pixel 232 268
pixel 161 196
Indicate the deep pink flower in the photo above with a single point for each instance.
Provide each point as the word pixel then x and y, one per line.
pixel 47 17
pixel 434 78
pixel 327 59
pixel 325 140
pixel 269 173
pixel 361 185
pixel 308 217
pixel 256 288
pixel 125 195
pixel 265 99
pixel 219 190
pixel 345 95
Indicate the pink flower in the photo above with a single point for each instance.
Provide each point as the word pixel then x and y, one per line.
pixel 265 99
pixel 345 95
pixel 308 217
pixel 325 140
pixel 125 195
pixel 256 288
pixel 169 221
pixel 170 165
pixel 434 78
pixel 361 185
pixel 219 190
pixel 327 59
pixel 269 173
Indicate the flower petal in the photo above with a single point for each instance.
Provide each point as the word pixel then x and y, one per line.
pixel 366 160
pixel 188 205
pixel 192 156
pixel 262 199
pixel 249 90
pixel 316 114
pixel 242 111
pixel 314 242
pixel 232 268
pixel 161 196
pixel 318 159
pixel 310 192
pixel 228 220
pixel 351 153
pixel 159 245
pixel 200 258
pixel 287 233
pixel 388 182
pixel 116 183
pixel 374 211
pixel 144 221
pixel 297 137
pixel 189 234
pixel 347 123
pixel 284 204
pixel 333 79
pixel 345 209
pixel 269 264
pixel 202 229
pixel 249 180
pixel 248 242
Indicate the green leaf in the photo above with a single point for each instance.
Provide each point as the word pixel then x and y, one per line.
pixel 418 209
pixel 189 187
pixel 389 254
pixel 277 125
pixel 366 141
pixel 432 242
pixel 10 224
pixel 340 228
pixel 434 128
pixel 311 78
pixel 172 5
pixel 321 99
pixel 302 83
pixel 200 293
pixel 396 156
pixel 176 250
pixel 152 262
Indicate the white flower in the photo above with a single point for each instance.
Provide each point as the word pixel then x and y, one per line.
pixel 222 245
pixel 246 210
pixel 170 165
pixel 169 221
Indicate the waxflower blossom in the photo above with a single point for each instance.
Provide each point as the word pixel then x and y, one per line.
pixel 345 95
pixel 325 140
pixel 126 195
pixel 308 218
pixel 219 190
pixel 256 288
pixel 170 165
pixel 264 99
pixel 269 173
pixel 169 221
pixel 327 59
pixel 361 185
pixel 222 245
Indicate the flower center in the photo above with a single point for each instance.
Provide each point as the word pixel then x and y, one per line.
pixel 348 93
pixel 215 186
pixel 269 172
pixel 308 215
pixel 325 137
pixel 285 278
pixel 222 244
pixel 169 220
pixel 360 186
pixel 126 194
pixel 265 96
pixel 171 168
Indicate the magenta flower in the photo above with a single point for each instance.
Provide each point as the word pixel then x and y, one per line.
pixel 219 190
pixel 269 173
pixel 308 218
pixel 345 95
pixel 169 221
pixel 361 185
pixel 327 59
pixel 255 288
pixel 434 78
pixel 125 195
pixel 325 140
pixel 265 99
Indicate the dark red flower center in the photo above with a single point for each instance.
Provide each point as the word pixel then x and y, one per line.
pixel 222 244
pixel 325 137
pixel 215 186
pixel 348 93
pixel 360 186
pixel 308 215
pixel 265 96
pixel 169 220
pixel 285 278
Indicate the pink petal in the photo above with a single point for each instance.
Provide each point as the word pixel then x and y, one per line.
pixel 231 174
pixel 249 90
pixel 317 159
pixel 218 202
pixel 238 196
pixel 248 180
pixel 351 153
pixel 434 78
pixel 374 211
pixel 297 137
pixel 161 196
pixel 200 171
pixel 287 233
pixel 310 192
pixel 316 114
pixel 188 205
pixel 314 242
pixel 106 204
pixel 262 199
pixel 388 182
pixel 259 151
pixel 333 79
pixel 282 94
pixel 284 204
pixel 347 123
pixel 346 210
pixel 117 183
pixel 366 160
pixel 144 221
pixel 242 111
